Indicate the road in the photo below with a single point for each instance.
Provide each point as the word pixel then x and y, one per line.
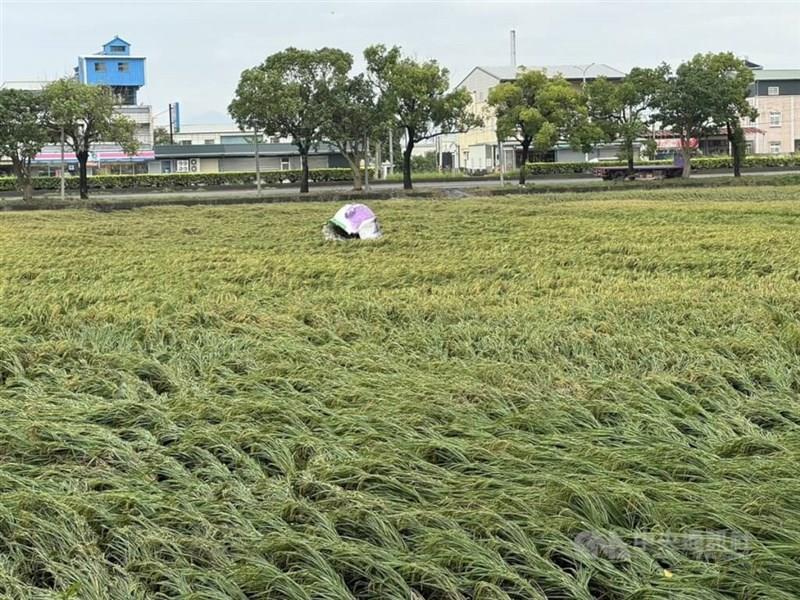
pixel 287 190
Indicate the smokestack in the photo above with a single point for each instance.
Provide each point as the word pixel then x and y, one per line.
pixel 513 48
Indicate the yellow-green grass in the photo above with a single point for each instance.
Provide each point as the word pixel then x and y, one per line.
pixel 549 397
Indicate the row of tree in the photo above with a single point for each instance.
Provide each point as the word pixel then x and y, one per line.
pixel 703 96
pixel 311 97
pixel 79 115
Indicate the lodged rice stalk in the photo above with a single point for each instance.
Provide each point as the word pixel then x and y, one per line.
pixel 531 398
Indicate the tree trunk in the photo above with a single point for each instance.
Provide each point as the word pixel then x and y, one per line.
pixel 356 169
pixel 83 182
pixel 686 152
pixel 22 171
pixel 304 176
pixel 407 164
pixel 27 190
pixel 523 169
pixel 629 156
pixel 736 139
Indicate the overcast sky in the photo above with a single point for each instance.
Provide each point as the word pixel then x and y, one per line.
pixel 196 49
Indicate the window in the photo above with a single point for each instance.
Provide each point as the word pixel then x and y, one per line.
pixel 285 164
pixel 99 67
pixel 748 147
pixel 774 147
pixel 797 145
pixel 118 49
pixel 208 141
pixel 122 67
pixel 774 119
pixel 773 90
pixel 186 142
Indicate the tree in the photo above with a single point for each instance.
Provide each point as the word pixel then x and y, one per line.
pixel 23 133
pixel 732 79
pixel 161 136
pixel 358 119
pixel 705 94
pixel 85 114
pixel 292 94
pixel 538 111
pixel 416 96
pixel 620 109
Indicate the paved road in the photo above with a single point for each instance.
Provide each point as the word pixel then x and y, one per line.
pixel 343 187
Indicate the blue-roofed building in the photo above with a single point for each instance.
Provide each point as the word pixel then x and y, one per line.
pixel 116 68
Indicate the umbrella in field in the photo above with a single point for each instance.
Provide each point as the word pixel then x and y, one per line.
pixel 353 221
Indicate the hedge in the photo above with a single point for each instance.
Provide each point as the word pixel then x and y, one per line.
pixel 173 181
pixel 698 164
pixel 181 180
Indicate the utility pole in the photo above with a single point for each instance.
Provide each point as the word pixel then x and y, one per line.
pixel 171 140
pixel 366 164
pixel 258 164
pixel 502 164
pixel 391 152
pixel 62 165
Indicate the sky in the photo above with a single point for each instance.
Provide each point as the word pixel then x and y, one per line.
pixel 197 49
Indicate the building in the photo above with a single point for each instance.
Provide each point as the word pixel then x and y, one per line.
pixel 124 73
pixel 225 133
pixel 776 95
pixel 220 158
pixel 478 148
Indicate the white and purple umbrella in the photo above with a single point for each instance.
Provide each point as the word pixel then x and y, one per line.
pixel 357 220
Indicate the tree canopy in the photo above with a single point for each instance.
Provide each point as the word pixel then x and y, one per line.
pixel 358 118
pixel 538 111
pixel 292 94
pixel 23 133
pixel 620 109
pixel 416 95
pixel 86 115
pixel 706 93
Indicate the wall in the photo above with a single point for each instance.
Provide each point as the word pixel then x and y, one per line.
pixel 786 133
pixel 134 76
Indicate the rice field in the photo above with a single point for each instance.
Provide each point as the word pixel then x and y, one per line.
pixel 559 397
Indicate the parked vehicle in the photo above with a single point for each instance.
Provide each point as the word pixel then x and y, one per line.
pixel 642 171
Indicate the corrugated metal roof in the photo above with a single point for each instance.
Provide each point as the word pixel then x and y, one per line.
pixel 776 74
pixel 573 72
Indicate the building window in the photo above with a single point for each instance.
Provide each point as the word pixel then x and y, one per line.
pixel 774 147
pixel 208 142
pixel 773 90
pixel 285 166
pixel 99 67
pixel 122 67
pixel 748 147
pixel 118 49
pixel 774 119
pixel 186 142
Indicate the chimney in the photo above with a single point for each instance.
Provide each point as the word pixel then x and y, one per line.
pixel 514 48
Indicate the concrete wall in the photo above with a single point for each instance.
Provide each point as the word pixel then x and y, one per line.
pixel 786 134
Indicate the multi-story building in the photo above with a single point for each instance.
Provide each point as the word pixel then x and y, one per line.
pixel 776 95
pixel 478 148
pixel 124 73
pixel 224 133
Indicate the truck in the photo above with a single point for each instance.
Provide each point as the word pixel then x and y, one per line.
pixel 642 171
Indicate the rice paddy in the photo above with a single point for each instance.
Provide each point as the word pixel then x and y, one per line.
pixel 532 398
